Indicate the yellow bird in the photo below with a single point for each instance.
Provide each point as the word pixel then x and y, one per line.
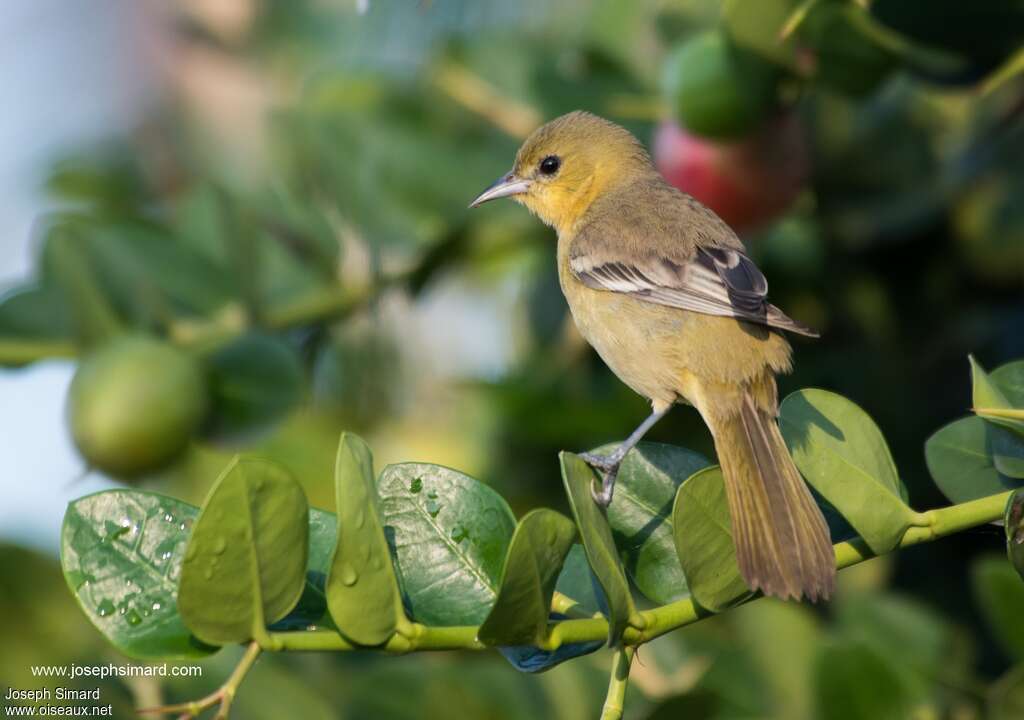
pixel 665 293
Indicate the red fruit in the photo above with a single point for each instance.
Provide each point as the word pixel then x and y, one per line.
pixel 749 182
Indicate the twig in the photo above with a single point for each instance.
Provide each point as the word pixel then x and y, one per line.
pixel 615 700
pixel 222 697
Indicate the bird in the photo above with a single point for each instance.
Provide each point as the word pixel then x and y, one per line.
pixel 666 294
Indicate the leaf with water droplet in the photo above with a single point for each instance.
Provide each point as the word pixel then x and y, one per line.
pixel 362 591
pixel 520 614
pixel 105 607
pixel 445 582
pixel 261 573
pixel 99 570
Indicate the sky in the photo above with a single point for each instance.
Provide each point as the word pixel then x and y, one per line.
pixel 69 74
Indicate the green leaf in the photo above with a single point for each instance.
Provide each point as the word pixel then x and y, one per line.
pixel 855 682
pixel 576 581
pixel 843 454
pixel 246 561
pixel 449 534
pixel 541 541
pixel 35 311
pixel 703 540
pixel 312 606
pixel 641 516
pixel 254 382
pixel 990 402
pixel 959 458
pixel 362 592
pixel 66 264
pixel 121 553
pixel 1007 447
pixel 1007 450
pixel 1009 378
pixel 597 541
pixel 147 271
pixel 1013 523
pixel 999 592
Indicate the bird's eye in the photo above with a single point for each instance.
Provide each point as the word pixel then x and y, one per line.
pixel 550 165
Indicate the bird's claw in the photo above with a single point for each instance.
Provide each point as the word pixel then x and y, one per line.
pixel 609 470
pixel 602 497
pixel 599 462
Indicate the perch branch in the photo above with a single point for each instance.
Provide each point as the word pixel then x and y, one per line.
pixel 934 524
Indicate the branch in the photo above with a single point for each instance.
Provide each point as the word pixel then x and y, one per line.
pixel 934 524
pixel 21 352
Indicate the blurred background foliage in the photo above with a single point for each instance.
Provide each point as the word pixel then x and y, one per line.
pixel 291 217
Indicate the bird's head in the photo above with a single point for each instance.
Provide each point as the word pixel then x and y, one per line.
pixel 565 165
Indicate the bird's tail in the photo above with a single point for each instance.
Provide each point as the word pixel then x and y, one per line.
pixel 782 541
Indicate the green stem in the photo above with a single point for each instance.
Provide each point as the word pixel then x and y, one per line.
pixel 615 700
pixel 935 524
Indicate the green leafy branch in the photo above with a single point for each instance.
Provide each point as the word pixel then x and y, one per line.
pixel 424 557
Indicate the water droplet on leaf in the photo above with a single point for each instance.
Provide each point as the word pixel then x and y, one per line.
pixel 105 607
pixel 349 575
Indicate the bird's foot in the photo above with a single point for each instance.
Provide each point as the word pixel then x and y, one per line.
pixel 603 463
pixel 608 469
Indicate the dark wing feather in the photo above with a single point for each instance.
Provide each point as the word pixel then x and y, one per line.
pixel 715 281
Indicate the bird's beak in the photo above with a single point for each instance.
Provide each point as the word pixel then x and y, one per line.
pixel 505 186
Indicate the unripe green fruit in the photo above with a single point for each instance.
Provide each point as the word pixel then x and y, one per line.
pixel 717 89
pixel 135 404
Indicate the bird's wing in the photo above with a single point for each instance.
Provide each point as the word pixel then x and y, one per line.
pixel 713 280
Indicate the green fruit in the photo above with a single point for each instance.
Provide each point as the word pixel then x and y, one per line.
pixel 134 405
pixel 718 89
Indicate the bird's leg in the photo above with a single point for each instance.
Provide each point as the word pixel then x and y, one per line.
pixel 608 465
